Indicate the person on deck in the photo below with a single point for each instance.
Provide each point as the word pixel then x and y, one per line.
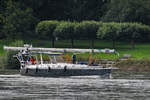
pixel 32 60
pixel 73 58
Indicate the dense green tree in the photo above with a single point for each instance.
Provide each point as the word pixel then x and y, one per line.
pixel 126 31
pixel 47 9
pixel 110 31
pixel 67 9
pixel 134 31
pixel 84 9
pixel 17 22
pixel 45 29
pixel 88 29
pixel 2 6
pixel 17 16
pixel 128 11
pixel 66 30
pixel 1 23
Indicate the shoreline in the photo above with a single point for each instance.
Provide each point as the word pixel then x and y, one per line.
pixel 116 71
pixel 9 71
pixel 128 66
pixel 134 65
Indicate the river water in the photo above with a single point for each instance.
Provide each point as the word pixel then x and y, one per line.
pixel 128 87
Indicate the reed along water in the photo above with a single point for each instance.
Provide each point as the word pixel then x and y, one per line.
pixel 131 87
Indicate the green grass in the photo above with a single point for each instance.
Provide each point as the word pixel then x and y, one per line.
pixel 141 51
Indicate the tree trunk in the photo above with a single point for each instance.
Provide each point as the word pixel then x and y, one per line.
pixel 132 44
pixel 113 44
pixel 52 42
pixel 92 43
pixel 72 43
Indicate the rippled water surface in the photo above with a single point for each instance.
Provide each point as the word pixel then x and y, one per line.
pixel 18 87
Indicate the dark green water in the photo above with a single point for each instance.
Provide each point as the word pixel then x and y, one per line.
pixel 121 87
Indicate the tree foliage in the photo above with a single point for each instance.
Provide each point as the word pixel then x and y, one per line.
pixel 45 30
pixel 128 11
pixel 126 31
pixel 110 31
pixel 134 32
pixel 87 30
pixel 17 22
pixel 18 18
pixel 80 10
pixel 65 30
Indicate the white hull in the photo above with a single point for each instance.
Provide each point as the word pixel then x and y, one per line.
pixel 62 69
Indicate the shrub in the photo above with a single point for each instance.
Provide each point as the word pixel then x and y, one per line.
pixel 8 61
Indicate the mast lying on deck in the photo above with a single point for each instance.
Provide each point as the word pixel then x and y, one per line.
pixel 29 47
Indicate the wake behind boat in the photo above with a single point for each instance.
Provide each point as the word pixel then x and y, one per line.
pixel 32 66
